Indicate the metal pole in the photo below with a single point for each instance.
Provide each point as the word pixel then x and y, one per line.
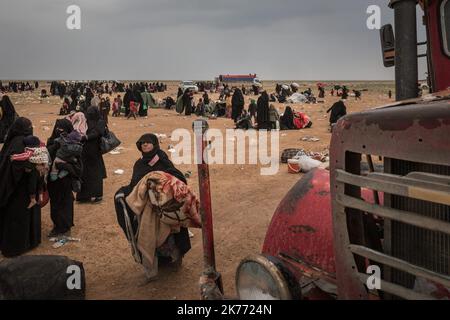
pixel 211 281
pixel 406 65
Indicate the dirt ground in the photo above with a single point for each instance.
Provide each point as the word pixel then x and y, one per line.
pixel 243 201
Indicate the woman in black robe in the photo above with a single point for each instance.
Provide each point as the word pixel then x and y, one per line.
pixel 141 168
pixel 60 190
pixel 263 114
pixel 94 170
pixel 187 102
pixel 128 97
pixel 338 110
pixel 237 104
pixel 7 116
pixel 138 98
pixel 20 226
pixel 287 119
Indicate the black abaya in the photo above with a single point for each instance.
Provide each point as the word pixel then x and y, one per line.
pixel 237 103
pixel 263 114
pixel 60 191
pixel 20 227
pixel 94 170
pixel 142 168
pixel 9 115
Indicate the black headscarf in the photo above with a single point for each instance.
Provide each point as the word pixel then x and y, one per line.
pixel 287 119
pixel 9 115
pixel 92 117
pixel 9 112
pixel 20 127
pixel 14 144
pixel 142 167
pixel 62 127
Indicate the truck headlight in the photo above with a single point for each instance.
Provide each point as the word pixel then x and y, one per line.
pixel 257 278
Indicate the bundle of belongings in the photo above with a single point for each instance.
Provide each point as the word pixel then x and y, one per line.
pixel 297 98
pixel 306 161
pixel 162 205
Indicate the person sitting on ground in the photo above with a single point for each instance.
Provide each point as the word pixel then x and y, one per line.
pixel 357 94
pixel 200 109
pixel 287 119
pixel 244 122
pixel 302 121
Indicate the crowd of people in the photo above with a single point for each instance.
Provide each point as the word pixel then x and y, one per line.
pixel 17 87
pixel 69 166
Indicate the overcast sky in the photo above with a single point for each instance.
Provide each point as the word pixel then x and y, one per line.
pixel 192 39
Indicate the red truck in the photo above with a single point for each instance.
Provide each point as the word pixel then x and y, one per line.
pixel 383 205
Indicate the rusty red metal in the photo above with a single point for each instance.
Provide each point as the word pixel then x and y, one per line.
pixel 301 227
pixel 440 62
pixel 210 282
pixel 301 231
pixel 417 133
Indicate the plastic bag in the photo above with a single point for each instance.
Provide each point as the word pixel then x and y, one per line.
pixel 306 163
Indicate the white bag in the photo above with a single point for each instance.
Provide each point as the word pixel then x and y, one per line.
pixel 307 164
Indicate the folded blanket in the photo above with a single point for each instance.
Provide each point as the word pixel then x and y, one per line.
pixel 163 204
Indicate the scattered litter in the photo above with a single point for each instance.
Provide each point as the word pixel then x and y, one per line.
pixel 119 172
pixel 46 128
pixel 191 235
pixel 114 152
pixel 59 242
pixel 310 139
pixel 172 150
pixel 42 121
pixel 283 134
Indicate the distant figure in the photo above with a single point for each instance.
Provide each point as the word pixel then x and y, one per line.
pixel 390 94
pixel 252 110
pixel 237 104
pixel 263 113
pixel 357 94
pixel 321 92
pixel 338 110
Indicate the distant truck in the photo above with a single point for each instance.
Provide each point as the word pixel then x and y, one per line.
pixel 251 79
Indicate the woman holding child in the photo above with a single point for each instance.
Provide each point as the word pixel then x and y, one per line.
pixel 65 148
pixel 22 179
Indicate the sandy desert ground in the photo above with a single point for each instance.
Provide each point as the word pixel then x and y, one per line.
pixel 243 201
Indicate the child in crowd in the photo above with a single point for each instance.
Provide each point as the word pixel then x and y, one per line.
pixel 38 160
pixel 274 117
pixel 116 106
pixel 69 152
pixel 134 107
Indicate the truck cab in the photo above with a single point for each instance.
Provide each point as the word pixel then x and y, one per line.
pixel 377 224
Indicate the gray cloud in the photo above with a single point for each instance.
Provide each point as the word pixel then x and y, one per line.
pixel 191 39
